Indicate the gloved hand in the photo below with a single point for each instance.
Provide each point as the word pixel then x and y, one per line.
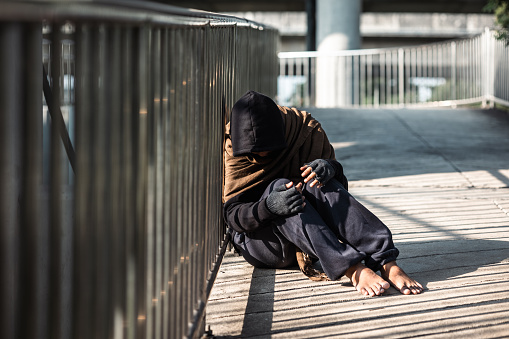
pixel 284 201
pixel 323 170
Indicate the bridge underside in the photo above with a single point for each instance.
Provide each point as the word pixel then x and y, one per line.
pixel 431 6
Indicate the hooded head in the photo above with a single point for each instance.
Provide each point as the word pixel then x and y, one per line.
pixel 256 125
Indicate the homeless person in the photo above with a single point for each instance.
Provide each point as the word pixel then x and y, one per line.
pixel 285 195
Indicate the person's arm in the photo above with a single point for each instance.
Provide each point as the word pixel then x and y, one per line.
pixel 245 216
pixel 339 174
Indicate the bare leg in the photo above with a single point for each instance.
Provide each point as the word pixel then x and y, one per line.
pixel 399 279
pixel 366 281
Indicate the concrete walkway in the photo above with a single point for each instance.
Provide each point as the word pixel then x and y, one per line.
pixel 440 180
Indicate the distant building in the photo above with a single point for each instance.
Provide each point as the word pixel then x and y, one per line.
pixel 380 29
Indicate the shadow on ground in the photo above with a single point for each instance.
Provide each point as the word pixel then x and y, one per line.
pixel 444 262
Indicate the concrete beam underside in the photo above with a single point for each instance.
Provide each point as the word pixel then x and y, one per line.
pixel 452 6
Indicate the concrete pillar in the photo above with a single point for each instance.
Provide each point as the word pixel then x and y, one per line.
pixel 338 24
pixel 337 28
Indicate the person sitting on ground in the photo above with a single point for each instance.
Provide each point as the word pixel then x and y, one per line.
pixel 285 193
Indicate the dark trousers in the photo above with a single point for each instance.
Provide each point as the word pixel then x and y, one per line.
pixel 333 227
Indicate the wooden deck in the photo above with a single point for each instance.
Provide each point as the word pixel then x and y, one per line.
pixel 440 180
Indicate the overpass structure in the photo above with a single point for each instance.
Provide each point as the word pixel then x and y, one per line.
pixel 304 24
pixel 379 6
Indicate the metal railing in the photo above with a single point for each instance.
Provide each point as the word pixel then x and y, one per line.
pixel 119 233
pixel 442 74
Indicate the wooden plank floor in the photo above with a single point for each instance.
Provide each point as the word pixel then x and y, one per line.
pixel 448 209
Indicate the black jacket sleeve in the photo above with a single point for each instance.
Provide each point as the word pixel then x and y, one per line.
pixel 246 212
pixel 340 176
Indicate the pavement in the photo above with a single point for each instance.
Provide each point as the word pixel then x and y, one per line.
pixel 439 179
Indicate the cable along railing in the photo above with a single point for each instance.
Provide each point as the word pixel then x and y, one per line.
pixel 466 71
pixel 111 163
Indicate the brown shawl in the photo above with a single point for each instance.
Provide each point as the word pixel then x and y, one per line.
pixel 306 142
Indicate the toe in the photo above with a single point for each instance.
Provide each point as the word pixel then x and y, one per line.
pixel 371 292
pixel 416 289
pixel 381 289
pixel 405 290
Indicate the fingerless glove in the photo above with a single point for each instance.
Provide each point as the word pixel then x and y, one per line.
pixel 323 169
pixel 284 201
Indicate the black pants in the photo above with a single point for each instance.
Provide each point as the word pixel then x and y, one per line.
pixel 333 227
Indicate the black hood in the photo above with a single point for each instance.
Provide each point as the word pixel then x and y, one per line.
pixel 256 125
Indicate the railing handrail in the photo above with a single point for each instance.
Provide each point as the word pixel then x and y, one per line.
pixel 127 11
pixel 367 51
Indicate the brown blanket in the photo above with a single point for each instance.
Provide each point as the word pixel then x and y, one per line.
pixel 306 142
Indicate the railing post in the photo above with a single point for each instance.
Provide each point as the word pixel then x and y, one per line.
pixel 11 183
pixel 401 75
pixel 489 70
pixel 453 70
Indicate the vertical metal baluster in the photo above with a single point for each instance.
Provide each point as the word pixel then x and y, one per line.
pixel 100 228
pixel 151 180
pixel 478 66
pixel 458 70
pixel 362 80
pixel 33 221
pixel 437 71
pixel 179 182
pixel 201 176
pixel 159 179
pixel 473 69
pixel 190 172
pixel 129 114
pixel 370 81
pixel 18 235
pixel 425 64
pixel 390 77
pixel 356 80
pixel 411 74
pixel 430 70
pixel 82 271
pixel 382 66
pixel 461 70
pixel 464 69
pixel 166 264
pixel 401 76
pixel 172 202
pixel 15 299
pixel 477 50
pixel 140 92
pixel 188 185
pixel 181 198
pixel 466 56
pixel 502 83
pixel 56 190
pixel 116 222
pixel 446 70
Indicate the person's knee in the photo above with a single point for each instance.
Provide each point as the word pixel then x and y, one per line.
pixel 278 182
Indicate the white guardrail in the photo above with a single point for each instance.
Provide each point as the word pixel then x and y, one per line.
pixel 467 71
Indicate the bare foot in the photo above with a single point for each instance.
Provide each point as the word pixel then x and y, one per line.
pixel 399 279
pixel 366 281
